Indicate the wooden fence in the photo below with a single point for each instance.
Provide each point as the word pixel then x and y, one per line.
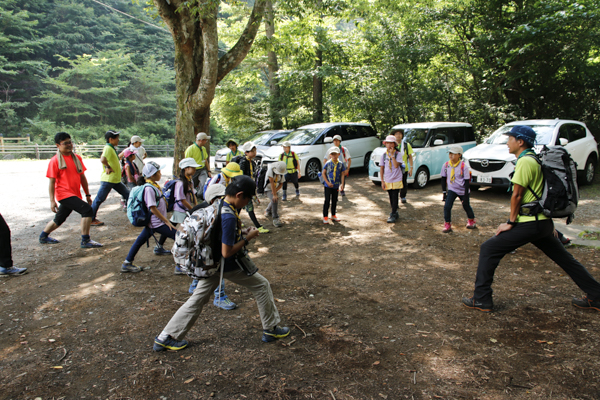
pixel 44 152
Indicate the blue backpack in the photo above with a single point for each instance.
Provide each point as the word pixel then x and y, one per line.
pixel 137 210
pixel 169 193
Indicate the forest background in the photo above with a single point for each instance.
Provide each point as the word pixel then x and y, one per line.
pixel 83 67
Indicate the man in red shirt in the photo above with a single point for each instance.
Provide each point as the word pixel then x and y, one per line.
pixel 67 175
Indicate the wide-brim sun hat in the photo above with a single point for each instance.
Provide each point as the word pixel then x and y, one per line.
pixel 151 168
pixel 136 138
pixel 230 141
pixel 231 169
pixel 188 162
pixel 280 168
pixel 391 139
pixel 523 132
pixel 286 144
pixel 214 191
pixel 248 146
pixel 202 136
pixel 455 149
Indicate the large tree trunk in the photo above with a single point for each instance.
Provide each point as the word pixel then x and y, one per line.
pixel 275 101
pixel 198 68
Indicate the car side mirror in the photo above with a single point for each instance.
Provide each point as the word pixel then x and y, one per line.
pixel 328 140
pixel 563 141
pixel 273 142
pixel 438 142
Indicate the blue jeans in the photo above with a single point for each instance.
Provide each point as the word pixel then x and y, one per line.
pixel 105 188
pixel 450 197
pixel 145 237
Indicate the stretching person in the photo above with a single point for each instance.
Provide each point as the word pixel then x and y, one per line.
pixel 6 262
pixel 67 176
pixel 233 240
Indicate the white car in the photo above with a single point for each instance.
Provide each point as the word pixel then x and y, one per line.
pixel 491 163
pixel 310 143
pixel 263 141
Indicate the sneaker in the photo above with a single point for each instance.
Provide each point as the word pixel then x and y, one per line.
pixel 161 251
pixel 447 227
pixel 297 193
pixel 95 222
pixel 275 333
pixel 129 267
pixel 397 215
pixel 90 244
pixel 12 271
pixel 268 213
pixel 403 200
pixel 262 229
pixel 48 240
pixel 469 302
pixel 277 223
pixel 471 224
pixel 169 344
pixel 193 286
pixel 565 241
pixel 284 197
pixel 334 218
pixel 343 192
pixel 392 218
pixel 224 303
pixel 325 220
pixel 178 271
pixel 586 303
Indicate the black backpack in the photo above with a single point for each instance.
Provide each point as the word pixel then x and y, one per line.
pixel 261 173
pixel 238 159
pixel 560 192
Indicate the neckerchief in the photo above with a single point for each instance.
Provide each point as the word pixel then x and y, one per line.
pixel 156 186
pixel 237 216
pixel 237 153
pixel 251 168
pixel 335 164
pixel 201 151
pixel 525 152
pixel 390 160
pixel 452 167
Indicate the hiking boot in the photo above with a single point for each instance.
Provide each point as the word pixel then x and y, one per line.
pixel 178 271
pixel 168 344
pixel 392 218
pixel 275 333
pixel 397 215
pixel 129 267
pixel 262 229
pixel 90 244
pixel 403 200
pixel 586 303
pixel 48 240
pixel 284 197
pixel 447 227
pixel 471 224
pixel 161 251
pixel 12 271
pixel 325 220
pixel 334 218
pixel 224 303
pixel 95 222
pixel 470 302
pixel 193 286
pixel 277 223
pixel 297 193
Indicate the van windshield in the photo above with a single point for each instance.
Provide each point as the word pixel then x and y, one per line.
pixel 303 136
pixel 543 134
pixel 416 137
pixel 261 138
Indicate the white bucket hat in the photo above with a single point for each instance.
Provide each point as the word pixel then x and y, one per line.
pixel 280 168
pixel 338 137
pixel 286 144
pixel 333 149
pixel 188 162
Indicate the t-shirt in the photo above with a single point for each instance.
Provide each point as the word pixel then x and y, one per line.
pixel 528 173
pixel 289 160
pixel 408 150
pixel 271 174
pixel 198 153
pixel 112 158
pixel 461 176
pixel 334 173
pixel 231 154
pixel 179 195
pixel 140 153
pixel 68 181
pixel 391 174
pixel 230 235
pixel 133 170
pixel 150 200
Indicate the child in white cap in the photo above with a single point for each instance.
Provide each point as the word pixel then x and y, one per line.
pixel 333 179
pixel 391 166
pixel 273 182
pixel 344 157
pixel 456 177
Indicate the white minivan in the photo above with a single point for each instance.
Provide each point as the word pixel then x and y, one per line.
pixel 491 163
pixel 311 142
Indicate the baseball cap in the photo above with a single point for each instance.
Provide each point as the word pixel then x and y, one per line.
pixel 455 149
pixel 127 153
pixel 202 136
pixel 248 146
pixel 111 134
pixel 391 139
pixel 231 169
pixel 151 168
pixel 214 191
pixel 338 137
pixel 286 144
pixel 523 132
pixel 333 149
pixel 136 138
pixel 188 162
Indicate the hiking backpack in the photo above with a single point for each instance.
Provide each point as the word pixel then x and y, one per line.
pixel 197 247
pixel 560 193
pixel 261 173
pixel 294 161
pixel 137 210
pixel 169 193
pixel 237 159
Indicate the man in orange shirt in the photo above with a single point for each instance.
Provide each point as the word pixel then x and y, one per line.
pixel 67 175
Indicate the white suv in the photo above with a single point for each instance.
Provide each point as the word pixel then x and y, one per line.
pixel 491 163
pixel 310 143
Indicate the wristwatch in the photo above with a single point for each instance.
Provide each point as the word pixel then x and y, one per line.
pixel 513 223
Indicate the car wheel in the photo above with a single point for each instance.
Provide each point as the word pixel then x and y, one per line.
pixel 421 178
pixel 589 171
pixel 367 159
pixel 313 167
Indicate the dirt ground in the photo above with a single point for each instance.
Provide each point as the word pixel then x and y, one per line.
pixel 374 308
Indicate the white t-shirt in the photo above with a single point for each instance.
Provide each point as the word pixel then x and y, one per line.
pixel 271 174
pixel 140 153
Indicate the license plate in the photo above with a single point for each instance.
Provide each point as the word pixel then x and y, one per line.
pixel 484 179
